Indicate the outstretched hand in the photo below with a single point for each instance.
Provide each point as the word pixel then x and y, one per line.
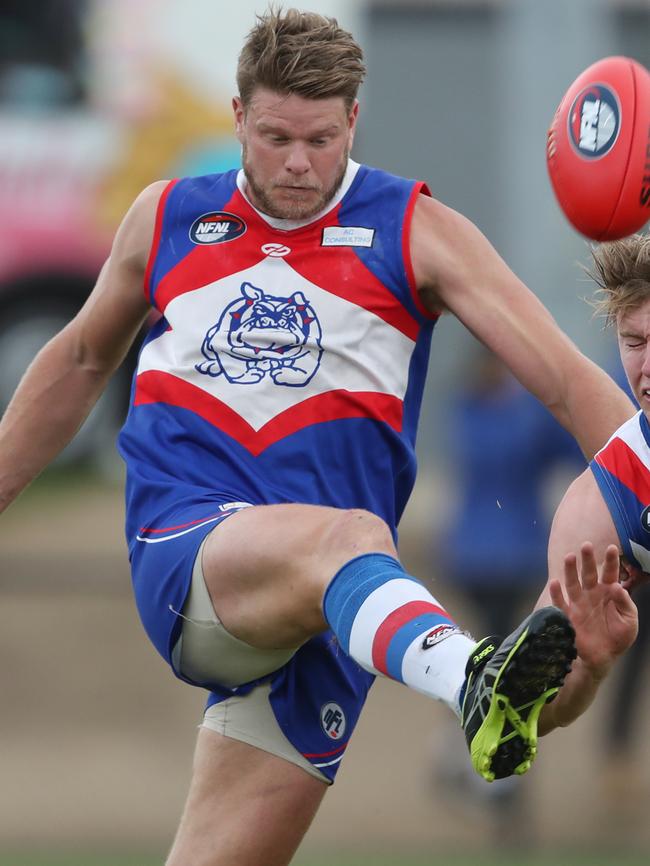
pixel 601 611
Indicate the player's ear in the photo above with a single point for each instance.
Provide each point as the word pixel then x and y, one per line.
pixel 353 114
pixel 239 112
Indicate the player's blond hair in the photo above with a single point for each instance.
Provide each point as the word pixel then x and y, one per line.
pixel 621 270
pixel 300 53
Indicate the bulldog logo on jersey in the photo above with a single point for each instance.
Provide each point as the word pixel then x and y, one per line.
pixel 260 335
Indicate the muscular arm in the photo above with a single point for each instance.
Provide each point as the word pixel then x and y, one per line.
pixel 601 611
pixel 69 374
pixel 456 268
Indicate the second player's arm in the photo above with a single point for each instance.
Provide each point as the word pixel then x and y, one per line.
pixel 584 582
pixel 458 269
pixel 69 374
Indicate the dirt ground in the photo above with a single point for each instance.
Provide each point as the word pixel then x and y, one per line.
pixel 97 736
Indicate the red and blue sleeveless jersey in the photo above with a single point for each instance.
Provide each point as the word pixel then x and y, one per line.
pixel 622 471
pixel 289 360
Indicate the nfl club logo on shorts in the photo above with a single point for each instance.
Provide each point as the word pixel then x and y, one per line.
pixel 594 121
pixel 332 719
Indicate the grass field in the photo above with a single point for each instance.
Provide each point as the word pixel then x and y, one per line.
pixel 554 858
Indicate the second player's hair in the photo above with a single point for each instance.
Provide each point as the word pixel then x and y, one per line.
pixel 621 270
pixel 301 53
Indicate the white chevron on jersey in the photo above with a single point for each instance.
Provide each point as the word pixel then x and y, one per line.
pixel 361 351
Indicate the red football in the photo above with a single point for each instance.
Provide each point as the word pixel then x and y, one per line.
pixel 598 150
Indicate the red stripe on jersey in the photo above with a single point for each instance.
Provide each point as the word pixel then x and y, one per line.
pixel 618 458
pixel 419 189
pixel 340 271
pixel 337 270
pixel 202 266
pixel 392 624
pixel 158 387
pixel 209 263
pixel 155 243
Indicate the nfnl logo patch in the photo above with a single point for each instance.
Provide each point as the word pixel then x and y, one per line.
pixel 594 121
pixel 332 719
pixel 217 227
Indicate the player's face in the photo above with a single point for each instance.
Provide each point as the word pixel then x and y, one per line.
pixel 633 329
pixel 294 151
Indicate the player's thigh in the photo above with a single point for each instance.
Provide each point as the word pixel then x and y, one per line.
pixel 267 567
pixel 236 787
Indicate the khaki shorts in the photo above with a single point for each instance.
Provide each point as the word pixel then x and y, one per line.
pixel 207 654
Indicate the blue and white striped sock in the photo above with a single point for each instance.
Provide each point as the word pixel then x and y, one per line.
pixel 391 624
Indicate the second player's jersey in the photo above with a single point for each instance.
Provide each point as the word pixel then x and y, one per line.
pixel 289 361
pixel 622 470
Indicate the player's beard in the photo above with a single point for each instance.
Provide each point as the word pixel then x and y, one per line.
pixel 262 194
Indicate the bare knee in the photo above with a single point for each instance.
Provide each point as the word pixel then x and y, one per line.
pixel 345 535
pixel 267 568
pixel 334 537
pixel 354 532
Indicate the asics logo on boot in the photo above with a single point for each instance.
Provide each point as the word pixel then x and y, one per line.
pixel 484 652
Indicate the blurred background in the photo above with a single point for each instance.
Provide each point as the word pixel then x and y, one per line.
pixel 97 99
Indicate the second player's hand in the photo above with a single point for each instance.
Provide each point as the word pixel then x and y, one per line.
pixel 601 611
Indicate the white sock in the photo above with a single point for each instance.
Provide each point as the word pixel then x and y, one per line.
pixel 391 624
